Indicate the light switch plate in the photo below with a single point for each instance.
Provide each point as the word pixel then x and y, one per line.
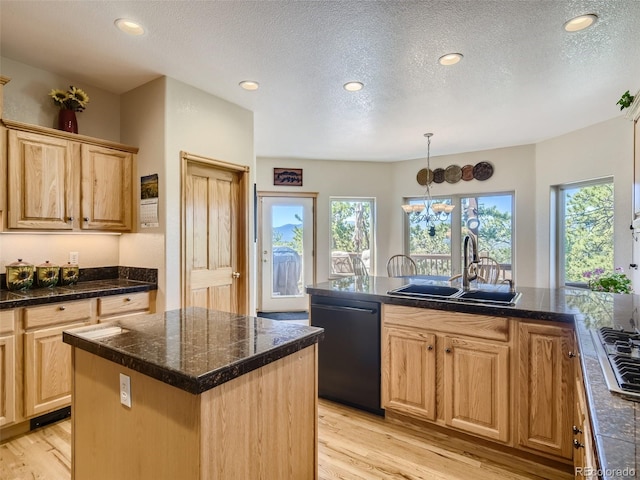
pixel 125 390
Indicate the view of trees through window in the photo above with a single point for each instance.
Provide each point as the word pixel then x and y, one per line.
pixel 489 217
pixel 587 229
pixel 351 234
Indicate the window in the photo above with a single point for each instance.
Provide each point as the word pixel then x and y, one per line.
pixel 585 230
pixel 352 227
pixel 489 217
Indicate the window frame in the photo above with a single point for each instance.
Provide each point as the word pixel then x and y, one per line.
pixel 372 241
pixel 558 228
pixel 456 219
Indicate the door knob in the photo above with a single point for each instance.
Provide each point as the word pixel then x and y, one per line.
pixel 235 275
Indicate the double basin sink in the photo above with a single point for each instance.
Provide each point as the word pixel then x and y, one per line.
pixel 440 292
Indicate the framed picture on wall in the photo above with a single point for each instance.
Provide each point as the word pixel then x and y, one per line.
pixel 291 177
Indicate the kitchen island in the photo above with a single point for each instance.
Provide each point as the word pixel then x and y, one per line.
pixel 213 395
pixel 612 416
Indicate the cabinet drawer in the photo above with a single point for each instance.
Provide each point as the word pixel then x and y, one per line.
pixel 57 313
pixel 7 321
pixel 123 304
pixel 480 326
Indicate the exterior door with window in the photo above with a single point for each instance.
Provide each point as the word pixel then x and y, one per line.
pixel 286 252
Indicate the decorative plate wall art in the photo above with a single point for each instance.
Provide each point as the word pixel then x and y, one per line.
pixel 453 173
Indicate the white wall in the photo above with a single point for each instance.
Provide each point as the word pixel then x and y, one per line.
pixel 514 171
pixel 201 124
pixel 26 100
pixel 601 150
pixel 143 124
pixel 337 179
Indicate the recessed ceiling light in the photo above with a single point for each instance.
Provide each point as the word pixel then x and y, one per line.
pixel 353 86
pixel 129 26
pixel 249 85
pixel 450 59
pixel 580 23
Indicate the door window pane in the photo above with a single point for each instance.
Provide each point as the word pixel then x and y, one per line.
pixel 288 254
pixel 352 236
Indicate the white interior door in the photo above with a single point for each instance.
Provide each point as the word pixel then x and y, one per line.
pixel 286 252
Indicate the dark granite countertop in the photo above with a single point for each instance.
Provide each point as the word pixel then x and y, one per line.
pixel 94 282
pixel 613 417
pixel 193 349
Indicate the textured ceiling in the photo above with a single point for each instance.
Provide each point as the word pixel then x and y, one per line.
pixel 523 79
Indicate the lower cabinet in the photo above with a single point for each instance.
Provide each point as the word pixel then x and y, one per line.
pixel 546 385
pixel 508 380
pixel 8 367
pixel 47 360
pixel 35 364
pixel 457 381
pixel 47 379
pixel 476 387
pixel 584 454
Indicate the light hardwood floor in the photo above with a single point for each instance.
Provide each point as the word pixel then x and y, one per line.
pixel 353 445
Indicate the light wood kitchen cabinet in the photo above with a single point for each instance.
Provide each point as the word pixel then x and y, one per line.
pixel 106 188
pixel 47 376
pixel 433 374
pixel 476 387
pixel 40 181
pixel 546 388
pixel 410 372
pixel 8 367
pixel 62 181
pixel 117 306
pixel 584 454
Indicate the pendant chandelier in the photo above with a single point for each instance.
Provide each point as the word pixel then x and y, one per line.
pixel 429 211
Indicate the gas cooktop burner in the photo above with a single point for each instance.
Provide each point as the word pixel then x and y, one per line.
pixel 619 356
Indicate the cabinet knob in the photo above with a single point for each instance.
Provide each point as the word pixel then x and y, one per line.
pixel 572 354
pixel 235 275
pixel 577 444
pixel 448 350
pixel 61 307
pixel 127 299
pixel 430 347
pixel 69 219
pixel 86 219
pixel 576 430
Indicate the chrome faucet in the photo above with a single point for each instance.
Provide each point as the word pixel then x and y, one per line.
pixel 466 276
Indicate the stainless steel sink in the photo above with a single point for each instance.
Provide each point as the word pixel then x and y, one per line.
pixel 421 290
pixel 491 297
pixel 441 292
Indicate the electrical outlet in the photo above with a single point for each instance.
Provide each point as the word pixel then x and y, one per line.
pixel 73 258
pixel 125 390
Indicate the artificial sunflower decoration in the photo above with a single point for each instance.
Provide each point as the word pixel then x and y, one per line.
pixel 73 99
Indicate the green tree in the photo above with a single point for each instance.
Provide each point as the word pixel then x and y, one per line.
pixel 588 230
pixel 346 222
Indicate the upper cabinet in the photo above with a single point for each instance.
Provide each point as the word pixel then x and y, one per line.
pixel 62 181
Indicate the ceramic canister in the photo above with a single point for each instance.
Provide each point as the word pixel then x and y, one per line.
pixel 47 274
pixel 19 275
pixel 69 274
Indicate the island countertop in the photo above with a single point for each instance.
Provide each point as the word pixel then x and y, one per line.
pixel 613 417
pixel 193 349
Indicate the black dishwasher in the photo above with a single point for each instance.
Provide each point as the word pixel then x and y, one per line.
pixel 349 355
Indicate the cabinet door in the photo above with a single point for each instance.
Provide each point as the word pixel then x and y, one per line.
pixel 546 389
pixel 409 372
pixel 7 379
pixel 47 370
pixel 584 457
pixel 40 181
pixel 476 387
pixel 106 189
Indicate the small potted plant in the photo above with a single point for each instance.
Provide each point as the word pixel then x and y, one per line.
pixel 612 282
pixel 72 101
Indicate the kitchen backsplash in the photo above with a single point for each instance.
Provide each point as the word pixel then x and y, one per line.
pixel 107 273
